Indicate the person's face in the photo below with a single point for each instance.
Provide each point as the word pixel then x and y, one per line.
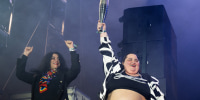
pixel 131 64
pixel 55 62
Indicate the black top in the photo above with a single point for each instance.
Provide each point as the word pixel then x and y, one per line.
pixel 57 87
pixel 54 91
pixel 123 81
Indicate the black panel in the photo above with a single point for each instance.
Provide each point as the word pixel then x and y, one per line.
pixel 144 23
pixel 148 33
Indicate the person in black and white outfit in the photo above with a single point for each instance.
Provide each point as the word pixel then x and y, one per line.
pixel 123 81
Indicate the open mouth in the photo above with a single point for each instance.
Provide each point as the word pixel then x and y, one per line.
pixel 133 65
pixel 56 63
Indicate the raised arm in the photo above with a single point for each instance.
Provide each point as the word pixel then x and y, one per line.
pixel 21 64
pixel 111 63
pixel 75 64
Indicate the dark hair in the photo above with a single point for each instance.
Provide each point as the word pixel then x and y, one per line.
pixel 124 57
pixel 45 63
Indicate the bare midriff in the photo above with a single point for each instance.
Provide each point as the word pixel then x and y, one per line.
pixel 125 94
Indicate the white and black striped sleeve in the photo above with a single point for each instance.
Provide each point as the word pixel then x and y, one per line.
pixel 109 59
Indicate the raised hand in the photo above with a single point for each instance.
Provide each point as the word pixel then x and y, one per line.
pixel 69 44
pixel 27 50
pixel 102 26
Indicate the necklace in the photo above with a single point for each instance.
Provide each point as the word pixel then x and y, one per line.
pixel 134 78
pixel 139 76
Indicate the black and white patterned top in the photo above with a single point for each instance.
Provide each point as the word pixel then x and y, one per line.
pixel 112 66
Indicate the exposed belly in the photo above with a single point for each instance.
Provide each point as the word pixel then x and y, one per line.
pixel 124 94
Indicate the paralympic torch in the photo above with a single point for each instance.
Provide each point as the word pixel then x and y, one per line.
pixel 103 7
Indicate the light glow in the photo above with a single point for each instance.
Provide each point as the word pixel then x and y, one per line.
pixel 10 23
pixel 63 28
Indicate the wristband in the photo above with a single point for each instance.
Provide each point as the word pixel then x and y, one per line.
pixel 101 31
pixel 72 49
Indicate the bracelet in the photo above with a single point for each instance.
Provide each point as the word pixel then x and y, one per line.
pixel 101 31
pixel 72 49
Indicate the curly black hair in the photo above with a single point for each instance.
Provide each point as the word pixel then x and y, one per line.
pixel 45 63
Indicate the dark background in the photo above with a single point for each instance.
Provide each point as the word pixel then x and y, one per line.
pixel 80 26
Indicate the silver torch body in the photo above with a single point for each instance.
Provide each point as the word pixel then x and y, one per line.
pixel 103 7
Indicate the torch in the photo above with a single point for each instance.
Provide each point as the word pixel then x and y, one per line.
pixel 103 7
